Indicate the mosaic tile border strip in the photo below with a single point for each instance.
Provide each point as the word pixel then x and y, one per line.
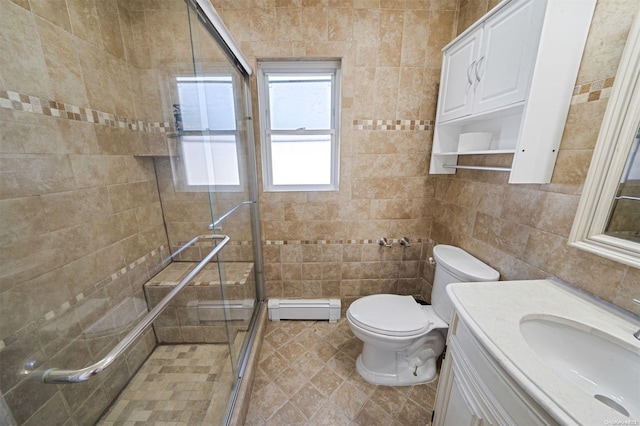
pixel 77 298
pixel 321 242
pixel 20 102
pixel 592 91
pixel 393 124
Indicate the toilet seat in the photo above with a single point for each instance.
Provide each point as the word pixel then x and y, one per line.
pixel 389 315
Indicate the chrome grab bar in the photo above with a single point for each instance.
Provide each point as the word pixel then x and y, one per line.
pixel 55 375
pixel 627 197
pixel 215 224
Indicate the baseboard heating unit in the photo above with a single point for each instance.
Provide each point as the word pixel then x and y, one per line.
pixel 304 309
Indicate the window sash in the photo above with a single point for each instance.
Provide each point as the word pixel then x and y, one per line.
pixel 298 70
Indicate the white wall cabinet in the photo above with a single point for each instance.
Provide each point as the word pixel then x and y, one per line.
pixel 475 390
pixel 512 74
pixel 458 83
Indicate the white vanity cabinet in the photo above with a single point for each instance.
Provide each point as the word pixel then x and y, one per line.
pixel 475 390
pixel 512 74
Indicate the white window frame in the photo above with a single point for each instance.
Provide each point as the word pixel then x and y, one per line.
pixel 275 67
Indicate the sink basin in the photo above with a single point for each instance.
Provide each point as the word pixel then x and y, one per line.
pixel 601 365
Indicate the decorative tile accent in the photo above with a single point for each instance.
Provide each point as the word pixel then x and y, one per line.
pixel 305 242
pixel 592 91
pixel 20 102
pixel 77 298
pixel 393 124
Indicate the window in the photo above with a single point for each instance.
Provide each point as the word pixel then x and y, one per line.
pixel 206 121
pixel 299 120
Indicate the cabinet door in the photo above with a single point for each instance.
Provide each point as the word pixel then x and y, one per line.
pixel 509 46
pixel 459 412
pixel 457 82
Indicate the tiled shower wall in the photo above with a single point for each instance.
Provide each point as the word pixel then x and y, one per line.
pixel 324 243
pixel 82 226
pixel 522 230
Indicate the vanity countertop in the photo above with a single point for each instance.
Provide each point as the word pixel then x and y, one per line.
pixel 493 311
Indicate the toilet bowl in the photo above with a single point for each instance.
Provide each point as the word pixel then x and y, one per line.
pixel 402 339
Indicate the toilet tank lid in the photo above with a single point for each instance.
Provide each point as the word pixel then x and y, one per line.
pixel 464 265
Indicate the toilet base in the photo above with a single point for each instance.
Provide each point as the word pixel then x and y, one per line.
pixel 405 376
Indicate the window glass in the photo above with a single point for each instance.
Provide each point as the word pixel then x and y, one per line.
pixel 211 160
pixel 207 103
pixel 301 159
pixel 300 102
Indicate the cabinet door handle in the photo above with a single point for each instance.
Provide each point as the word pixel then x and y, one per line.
pixel 469 71
pixel 478 76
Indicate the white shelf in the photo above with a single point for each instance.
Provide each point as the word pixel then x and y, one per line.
pixel 492 169
pixel 484 152
pixel 498 113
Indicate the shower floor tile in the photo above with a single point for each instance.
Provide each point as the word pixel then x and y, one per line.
pixel 176 385
pixel 307 376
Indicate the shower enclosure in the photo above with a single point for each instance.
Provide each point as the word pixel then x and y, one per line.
pixel 131 265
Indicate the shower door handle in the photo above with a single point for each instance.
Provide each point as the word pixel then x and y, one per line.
pixel 55 375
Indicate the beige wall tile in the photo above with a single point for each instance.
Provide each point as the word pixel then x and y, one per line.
pixel 65 209
pixel 21 53
pixel 107 12
pixel 571 167
pixel 98 170
pixel 559 212
pixel 628 291
pixel 414 34
pixel 22 3
pixel 365 33
pixel 340 24
pixel 28 258
pixel 390 33
pixel 583 125
pixel 387 82
pixel 34 174
pixel 607 35
pixel 21 218
pixel 262 24
pixel 441 31
pixel 62 61
pixel 109 230
pixel 288 24
pixel 54 11
pixel 85 22
pixel 470 11
pixel 88 270
pixel 409 95
pixel 315 25
pixel 509 237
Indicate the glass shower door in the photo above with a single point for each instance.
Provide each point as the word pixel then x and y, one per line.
pixel 213 156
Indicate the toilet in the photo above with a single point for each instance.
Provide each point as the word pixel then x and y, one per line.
pixel 401 338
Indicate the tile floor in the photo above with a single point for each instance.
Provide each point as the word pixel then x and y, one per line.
pixel 177 385
pixel 306 376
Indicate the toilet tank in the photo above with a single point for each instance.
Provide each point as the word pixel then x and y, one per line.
pixel 454 265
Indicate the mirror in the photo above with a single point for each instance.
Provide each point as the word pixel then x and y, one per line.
pixel 624 221
pixel 607 222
